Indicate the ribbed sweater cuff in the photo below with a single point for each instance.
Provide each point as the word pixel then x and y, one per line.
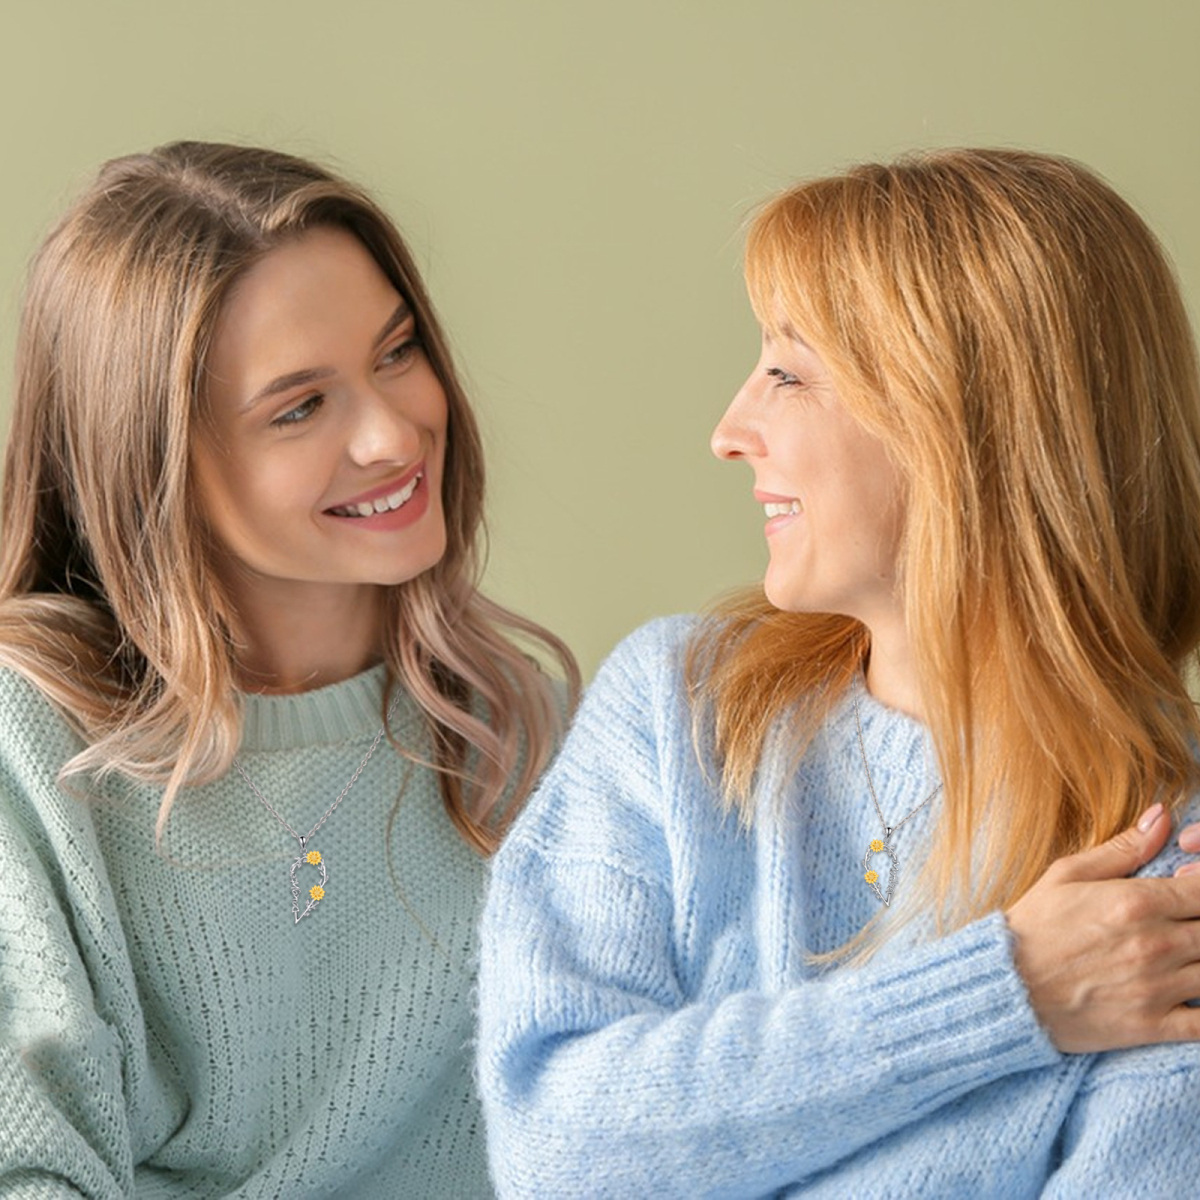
pixel 959 1010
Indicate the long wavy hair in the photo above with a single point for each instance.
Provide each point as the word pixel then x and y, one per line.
pixel 1013 332
pixel 109 599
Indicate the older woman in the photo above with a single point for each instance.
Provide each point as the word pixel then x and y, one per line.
pixel 825 894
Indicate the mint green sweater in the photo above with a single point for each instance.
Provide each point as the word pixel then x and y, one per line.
pixel 167 1029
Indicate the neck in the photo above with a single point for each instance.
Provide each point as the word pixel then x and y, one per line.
pixel 298 637
pixel 891 671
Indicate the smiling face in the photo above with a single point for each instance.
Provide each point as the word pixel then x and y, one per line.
pixel 832 497
pixel 318 463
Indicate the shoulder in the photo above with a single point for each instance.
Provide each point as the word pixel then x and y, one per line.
pixel 647 666
pixel 629 747
pixel 36 742
pixel 31 725
pixel 657 646
pixel 640 692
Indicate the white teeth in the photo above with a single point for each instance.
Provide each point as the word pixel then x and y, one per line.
pixel 404 494
pixel 782 510
pixel 383 504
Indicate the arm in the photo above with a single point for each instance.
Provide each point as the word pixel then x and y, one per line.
pixel 63 1128
pixel 63 1123
pixel 1132 1129
pixel 601 1075
pixel 598 1081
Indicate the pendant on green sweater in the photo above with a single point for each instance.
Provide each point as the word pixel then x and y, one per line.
pixel 872 876
pixel 316 893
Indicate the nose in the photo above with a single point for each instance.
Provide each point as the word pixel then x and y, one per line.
pixel 736 435
pixel 383 431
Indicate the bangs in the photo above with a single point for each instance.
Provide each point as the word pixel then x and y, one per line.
pixel 774 263
pixel 794 282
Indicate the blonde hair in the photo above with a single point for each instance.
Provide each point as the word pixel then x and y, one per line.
pixel 109 601
pixel 1012 331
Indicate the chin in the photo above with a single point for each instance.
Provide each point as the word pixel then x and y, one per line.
pixel 783 597
pixel 795 600
pixel 407 572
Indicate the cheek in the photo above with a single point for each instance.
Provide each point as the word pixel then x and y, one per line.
pixel 887 519
pixel 233 493
pixel 210 486
pixel 221 492
pixel 437 416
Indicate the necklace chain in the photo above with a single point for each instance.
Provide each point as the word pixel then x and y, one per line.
pixel 884 846
pixel 313 857
pixel 329 811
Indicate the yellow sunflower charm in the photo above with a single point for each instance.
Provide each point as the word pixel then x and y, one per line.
pixel 316 893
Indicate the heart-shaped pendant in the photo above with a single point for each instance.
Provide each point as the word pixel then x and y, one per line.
pixel 882 846
pixel 316 893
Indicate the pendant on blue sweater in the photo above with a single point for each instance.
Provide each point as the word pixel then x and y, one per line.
pixel 316 893
pixel 872 876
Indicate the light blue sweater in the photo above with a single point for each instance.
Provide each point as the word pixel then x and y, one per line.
pixel 650 1026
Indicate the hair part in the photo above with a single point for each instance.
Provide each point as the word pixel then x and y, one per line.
pixel 109 601
pixel 1013 333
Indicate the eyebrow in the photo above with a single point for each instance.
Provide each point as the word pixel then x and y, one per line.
pixel 792 335
pixel 403 313
pixel 284 383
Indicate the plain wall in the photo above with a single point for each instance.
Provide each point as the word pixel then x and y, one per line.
pixel 574 178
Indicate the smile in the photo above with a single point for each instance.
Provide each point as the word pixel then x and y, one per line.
pixel 381 504
pixel 791 508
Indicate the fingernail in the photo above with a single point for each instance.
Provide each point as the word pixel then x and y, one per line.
pixel 1149 818
pixel 1188 869
pixel 1189 839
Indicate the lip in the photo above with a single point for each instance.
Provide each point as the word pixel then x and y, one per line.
pixel 384 489
pixel 775 524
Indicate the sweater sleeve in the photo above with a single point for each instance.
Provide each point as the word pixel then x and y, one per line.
pixel 1132 1129
pixel 63 1123
pixel 601 1076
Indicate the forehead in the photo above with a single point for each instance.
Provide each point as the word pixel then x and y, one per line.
pixel 311 301
pixel 779 335
pixel 318 260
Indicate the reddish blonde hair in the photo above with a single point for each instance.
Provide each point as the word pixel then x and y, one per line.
pixel 1013 332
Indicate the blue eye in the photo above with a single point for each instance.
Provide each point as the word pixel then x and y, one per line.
pixel 301 412
pixel 783 378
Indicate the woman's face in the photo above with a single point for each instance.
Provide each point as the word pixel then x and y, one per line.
pixel 833 498
pixel 319 462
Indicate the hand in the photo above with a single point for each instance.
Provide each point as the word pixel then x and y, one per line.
pixel 1189 840
pixel 1108 961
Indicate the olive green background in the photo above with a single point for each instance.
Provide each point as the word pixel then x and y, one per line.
pixel 574 177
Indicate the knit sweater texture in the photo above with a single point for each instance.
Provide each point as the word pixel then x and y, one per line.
pixel 167 1029
pixel 651 1024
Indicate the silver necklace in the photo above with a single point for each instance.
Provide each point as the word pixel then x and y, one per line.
pixel 882 845
pixel 314 858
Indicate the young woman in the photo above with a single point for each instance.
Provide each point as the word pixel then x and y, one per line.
pixel 258 728
pixel 825 893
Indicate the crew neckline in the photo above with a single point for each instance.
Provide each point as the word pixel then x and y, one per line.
pixel 338 712
pixel 892 739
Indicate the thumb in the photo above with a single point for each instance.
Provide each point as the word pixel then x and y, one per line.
pixel 1123 853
